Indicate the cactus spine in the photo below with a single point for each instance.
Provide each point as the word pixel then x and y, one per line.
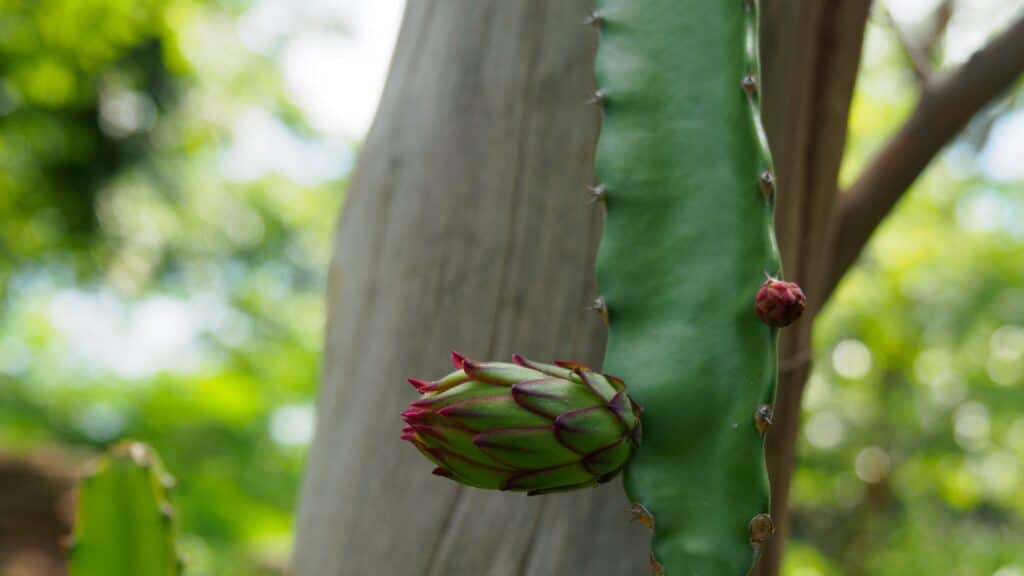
pixel 124 524
pixel 685 176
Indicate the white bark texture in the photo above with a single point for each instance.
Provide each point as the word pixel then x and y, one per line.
pixel 466 227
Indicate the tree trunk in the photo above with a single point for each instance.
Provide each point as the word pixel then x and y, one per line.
pixel 811 55
pixel 467 226
pixel 36 513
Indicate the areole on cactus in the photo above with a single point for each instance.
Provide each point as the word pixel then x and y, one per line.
pixel 524 426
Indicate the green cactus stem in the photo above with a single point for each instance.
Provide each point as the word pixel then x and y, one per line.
pixel 686 179
pixel 124 524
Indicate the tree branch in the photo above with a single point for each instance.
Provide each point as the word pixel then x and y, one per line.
pixel 945 107
pixel 917 55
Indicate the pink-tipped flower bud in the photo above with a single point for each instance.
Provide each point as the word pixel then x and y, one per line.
pixel 779 303
pixel 524 426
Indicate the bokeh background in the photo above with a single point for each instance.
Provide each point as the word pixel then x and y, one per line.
pixel 170 173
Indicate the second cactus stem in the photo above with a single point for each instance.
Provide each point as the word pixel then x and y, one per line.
pixel 686 178
pixel 124 523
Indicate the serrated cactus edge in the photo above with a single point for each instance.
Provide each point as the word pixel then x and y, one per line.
pixel 688 187
pixel 125 524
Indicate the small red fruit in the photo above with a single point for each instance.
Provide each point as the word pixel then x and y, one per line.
pixel 779 303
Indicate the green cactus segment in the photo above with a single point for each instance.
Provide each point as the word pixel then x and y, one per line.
pixel 687 185
pixel 525 426
pixel 124 524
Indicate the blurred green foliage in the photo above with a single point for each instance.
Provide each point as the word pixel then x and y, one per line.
pixel 148 289
pixel 61 62
pixel 152 289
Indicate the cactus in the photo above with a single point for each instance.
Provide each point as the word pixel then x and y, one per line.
pixel 685 176
pixel 124 523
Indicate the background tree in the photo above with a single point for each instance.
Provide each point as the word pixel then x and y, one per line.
pixel 465 211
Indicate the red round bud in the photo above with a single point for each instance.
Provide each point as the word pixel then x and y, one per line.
pixel 779 303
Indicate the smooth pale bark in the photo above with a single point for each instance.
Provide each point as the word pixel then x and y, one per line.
pixel 466 227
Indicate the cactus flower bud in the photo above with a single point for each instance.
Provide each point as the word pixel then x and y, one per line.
pixel 779 303
pixel 525 426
